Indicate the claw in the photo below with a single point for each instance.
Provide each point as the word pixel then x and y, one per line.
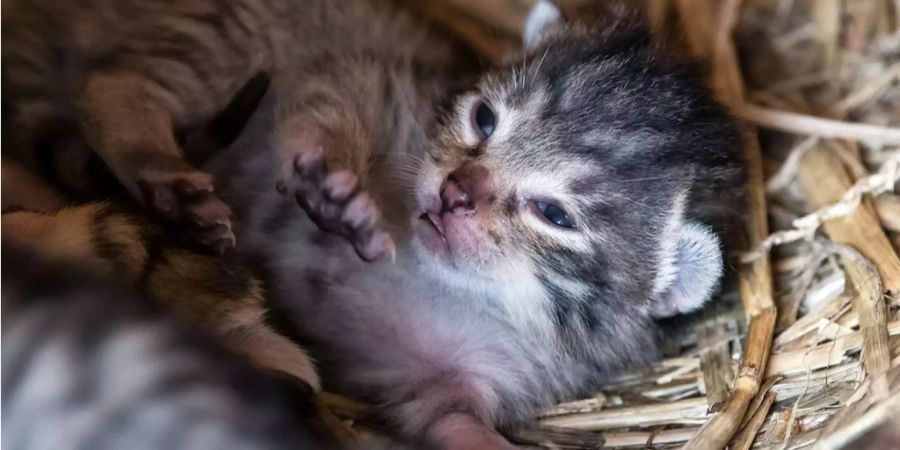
pixel 187 199
pixel 335 204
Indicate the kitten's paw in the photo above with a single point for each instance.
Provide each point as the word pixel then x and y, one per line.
pixel 336 204
pixel 187 198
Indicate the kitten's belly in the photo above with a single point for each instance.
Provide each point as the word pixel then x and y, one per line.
pixel 379 332
pixel 325 270
pixel 366 310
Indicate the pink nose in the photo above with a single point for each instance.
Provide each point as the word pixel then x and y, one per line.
pixel 454 198
pixel 466 188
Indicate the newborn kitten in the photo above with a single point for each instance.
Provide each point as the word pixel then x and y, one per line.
pixel 553 211
pixel 88 366
pixel 128 78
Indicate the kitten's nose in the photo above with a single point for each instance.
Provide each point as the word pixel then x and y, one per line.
pixel 453 197
pixel 466 188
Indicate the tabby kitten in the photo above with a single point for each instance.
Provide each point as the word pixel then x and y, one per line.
pixel 538 225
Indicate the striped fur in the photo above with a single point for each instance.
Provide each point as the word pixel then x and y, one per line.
pixel 218 295
pixel 498 313
pixel 516 314
pixel 127 78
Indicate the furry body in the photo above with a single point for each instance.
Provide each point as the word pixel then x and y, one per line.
pixel 128 79
pixel 489 312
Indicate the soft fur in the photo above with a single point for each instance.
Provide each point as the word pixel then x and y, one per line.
pixel 140 82
pixel 220 295
pixel 504 313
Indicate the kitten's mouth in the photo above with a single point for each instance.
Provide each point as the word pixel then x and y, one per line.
pixel 434 219
pixel 432 234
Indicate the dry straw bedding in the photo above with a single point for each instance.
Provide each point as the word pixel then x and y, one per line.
pixel 812 358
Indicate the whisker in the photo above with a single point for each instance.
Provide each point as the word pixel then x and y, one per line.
pixel 523 70
pixel 643 179
pixel 410 169
pixel 412 158
pixel 537 67
pixel 637 202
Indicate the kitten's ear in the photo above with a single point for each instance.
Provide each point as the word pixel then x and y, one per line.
pixel 544 14
pixel 690 270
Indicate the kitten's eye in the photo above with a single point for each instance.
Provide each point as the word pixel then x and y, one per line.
pixel 483 120
pixel 555 214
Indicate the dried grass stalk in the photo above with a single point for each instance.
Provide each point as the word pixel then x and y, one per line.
pixel 690 411
pixel 558 438
pixel 490 39
pixel 824 181
pixel 747 435
pixel 869 305
pixel 715 362
pixel 755 280
pixel 824 355
pixel 888 208
pixel 643 439
pixel 817 126
pixel 885 413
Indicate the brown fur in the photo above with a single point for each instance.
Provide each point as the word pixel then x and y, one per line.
pixel 126 77
pixel 219 295
pixel 22 189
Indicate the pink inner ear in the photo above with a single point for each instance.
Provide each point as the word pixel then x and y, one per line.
pixel 459 431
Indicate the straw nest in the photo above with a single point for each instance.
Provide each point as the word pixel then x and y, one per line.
pixel 812 359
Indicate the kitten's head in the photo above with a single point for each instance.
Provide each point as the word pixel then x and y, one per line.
pixel 565 178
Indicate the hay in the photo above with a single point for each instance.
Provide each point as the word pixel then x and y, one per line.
pixel 820 79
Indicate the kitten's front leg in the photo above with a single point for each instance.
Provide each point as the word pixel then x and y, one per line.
pixel 326 149
pixel 133 132
pixel 336 203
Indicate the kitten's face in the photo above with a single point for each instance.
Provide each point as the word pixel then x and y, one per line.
pixel 496 192
pixel 566 169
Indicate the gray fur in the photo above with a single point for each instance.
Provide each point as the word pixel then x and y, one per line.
pixel 86 365
pixel 523 314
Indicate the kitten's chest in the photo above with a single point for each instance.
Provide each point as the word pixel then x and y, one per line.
pixel 320 268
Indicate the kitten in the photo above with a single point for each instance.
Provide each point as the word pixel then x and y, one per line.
pixel 127 78
pixel 538 225
pixel 88 366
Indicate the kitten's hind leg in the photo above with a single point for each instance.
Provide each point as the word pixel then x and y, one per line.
pixel 129 123
pixel 270 350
